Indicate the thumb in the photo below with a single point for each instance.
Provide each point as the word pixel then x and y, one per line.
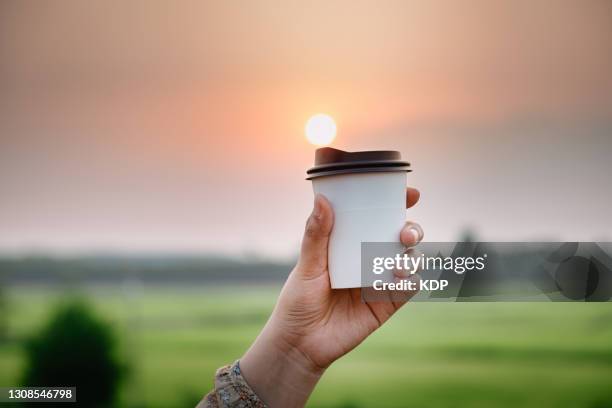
pixel 313 255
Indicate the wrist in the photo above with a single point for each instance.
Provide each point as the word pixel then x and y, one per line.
pixel 277 371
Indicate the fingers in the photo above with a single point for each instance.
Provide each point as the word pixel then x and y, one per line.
pixel 411 234
pixel 412 197
pixel 400 297
pixel 313 255
pixel 392 299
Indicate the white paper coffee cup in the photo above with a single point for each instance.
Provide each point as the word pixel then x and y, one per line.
pixel 367 191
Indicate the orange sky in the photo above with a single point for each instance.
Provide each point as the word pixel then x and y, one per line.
pixel 179 126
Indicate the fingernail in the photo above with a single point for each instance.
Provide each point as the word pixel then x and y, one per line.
pixel 415 234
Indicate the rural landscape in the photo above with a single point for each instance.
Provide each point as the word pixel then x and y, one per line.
pixel 177 319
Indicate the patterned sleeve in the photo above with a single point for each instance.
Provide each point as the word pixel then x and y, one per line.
pixel 231 391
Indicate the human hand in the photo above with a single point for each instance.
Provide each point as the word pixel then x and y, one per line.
pixel 313 325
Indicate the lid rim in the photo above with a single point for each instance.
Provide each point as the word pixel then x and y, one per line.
pixel 359 164
pixel 356 170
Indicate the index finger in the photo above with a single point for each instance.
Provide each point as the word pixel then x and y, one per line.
pixel 412 196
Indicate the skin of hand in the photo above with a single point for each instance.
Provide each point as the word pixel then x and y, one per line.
pixel 313 325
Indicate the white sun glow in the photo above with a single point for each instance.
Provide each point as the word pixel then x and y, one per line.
pixel 320 129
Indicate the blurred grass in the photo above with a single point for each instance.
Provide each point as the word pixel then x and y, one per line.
pixel 429 355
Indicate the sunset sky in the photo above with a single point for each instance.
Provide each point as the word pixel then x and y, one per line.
pixel 179 126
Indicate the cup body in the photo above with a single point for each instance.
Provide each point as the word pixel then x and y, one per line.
pixel 368 207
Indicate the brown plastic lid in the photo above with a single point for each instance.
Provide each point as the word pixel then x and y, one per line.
pixel 330 161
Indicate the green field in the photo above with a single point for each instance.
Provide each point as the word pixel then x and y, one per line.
pixel 429 355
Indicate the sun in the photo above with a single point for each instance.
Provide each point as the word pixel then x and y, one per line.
pixel 320 129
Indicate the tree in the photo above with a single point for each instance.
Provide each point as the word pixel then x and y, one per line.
pixel 76 348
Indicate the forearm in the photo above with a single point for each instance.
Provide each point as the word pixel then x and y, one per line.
pixel 279 373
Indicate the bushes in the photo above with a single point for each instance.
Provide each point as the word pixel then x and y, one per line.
pixel 76 348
